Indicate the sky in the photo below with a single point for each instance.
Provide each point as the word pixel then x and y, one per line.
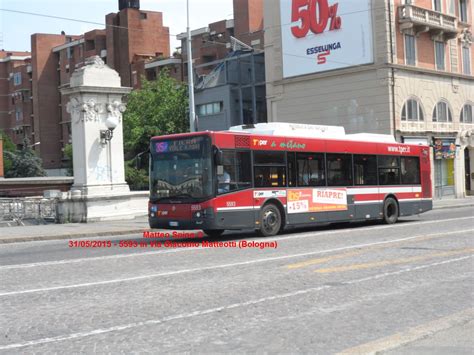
pixel 16 29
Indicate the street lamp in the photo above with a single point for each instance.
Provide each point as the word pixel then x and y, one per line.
pixel 106 135
pixel 192 113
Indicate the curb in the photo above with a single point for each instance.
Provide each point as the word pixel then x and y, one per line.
pixel 453 206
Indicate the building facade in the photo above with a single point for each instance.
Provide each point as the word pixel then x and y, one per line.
pixel 233 93
pixel 395 67
pixel 15 94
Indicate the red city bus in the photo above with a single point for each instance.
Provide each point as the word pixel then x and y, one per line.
pixel 269 176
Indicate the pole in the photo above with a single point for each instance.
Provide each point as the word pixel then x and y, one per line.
pixel 192 114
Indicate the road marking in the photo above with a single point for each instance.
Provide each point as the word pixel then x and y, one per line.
pixel 215 267
pixel 412 334
pixel 214 310
pixel 292 237
pixel 358 252
pixel 391 262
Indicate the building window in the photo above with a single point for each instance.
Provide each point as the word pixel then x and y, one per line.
pixel 463 10
pixel 18 114
pixel 439 55
pixel 412 111
pixel 410 51
pixel 442 113
pixel 451 7
pixel 134 78
pixel 69 52
pixel 143 16
pixel 466 113
pixel 437 5
pixel 466 60
pixel 17 79
pixel 212 108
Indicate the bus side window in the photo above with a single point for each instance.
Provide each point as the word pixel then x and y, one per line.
pixel 365 169
pixel 410 168
pixel 236 171
pixel 310 167
pixel 339 168
pixel 389 170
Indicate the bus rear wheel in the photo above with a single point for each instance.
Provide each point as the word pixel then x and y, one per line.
pixel 390 211
pixel 270 220
pixel 213 233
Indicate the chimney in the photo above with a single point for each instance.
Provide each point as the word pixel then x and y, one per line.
pixel 129 4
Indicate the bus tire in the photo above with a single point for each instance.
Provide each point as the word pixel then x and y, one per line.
pixel 390 210
pixel 213 233
pixel 270 220
pixel 153 224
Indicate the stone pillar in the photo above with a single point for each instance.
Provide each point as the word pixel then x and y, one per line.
pixel 95 97
pixel 99 191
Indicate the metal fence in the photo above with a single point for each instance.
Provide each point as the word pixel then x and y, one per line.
pixel 17 210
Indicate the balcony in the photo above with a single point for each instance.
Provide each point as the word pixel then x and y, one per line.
pixel 422 20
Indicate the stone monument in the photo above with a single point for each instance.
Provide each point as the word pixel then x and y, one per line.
pixel 99 190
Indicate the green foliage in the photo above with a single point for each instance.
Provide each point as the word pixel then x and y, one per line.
pixel 159 107
pixel 25 163
pixel 68 156
pixel 137 179
pixel 8 146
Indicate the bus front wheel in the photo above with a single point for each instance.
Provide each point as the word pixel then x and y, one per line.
pixel 213 233
pixel 390 211
pixel 270 220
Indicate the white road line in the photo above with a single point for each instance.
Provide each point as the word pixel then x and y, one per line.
pixel 411 334
pixel 213 310
pixel 290 237
pixel 223 266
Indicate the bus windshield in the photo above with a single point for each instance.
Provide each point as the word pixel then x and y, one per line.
pixel 181 169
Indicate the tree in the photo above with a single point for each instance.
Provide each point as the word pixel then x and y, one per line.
pixel 8 146
pixel 25 163
pixel 159 107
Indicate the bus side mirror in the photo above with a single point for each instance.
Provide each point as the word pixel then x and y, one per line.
pixel 218 156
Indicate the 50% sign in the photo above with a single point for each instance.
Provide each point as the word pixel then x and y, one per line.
pixel 314 15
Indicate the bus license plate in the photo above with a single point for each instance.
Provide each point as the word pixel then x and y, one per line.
pixel 174 224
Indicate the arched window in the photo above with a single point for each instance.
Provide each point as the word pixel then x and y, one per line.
pixel 442 112
pixel 412 111
pixel 466 113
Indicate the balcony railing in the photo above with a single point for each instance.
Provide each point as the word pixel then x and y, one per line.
pixel 424 20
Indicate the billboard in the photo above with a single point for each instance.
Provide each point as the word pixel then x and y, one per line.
pixel 321 35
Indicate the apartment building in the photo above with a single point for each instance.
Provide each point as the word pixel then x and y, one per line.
pixel 211 44
pixel 15 94
pixel 395 67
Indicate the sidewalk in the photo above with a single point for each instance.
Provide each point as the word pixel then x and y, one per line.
pixel 124 227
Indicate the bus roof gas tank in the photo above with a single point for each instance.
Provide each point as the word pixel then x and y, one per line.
pixel 310 131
